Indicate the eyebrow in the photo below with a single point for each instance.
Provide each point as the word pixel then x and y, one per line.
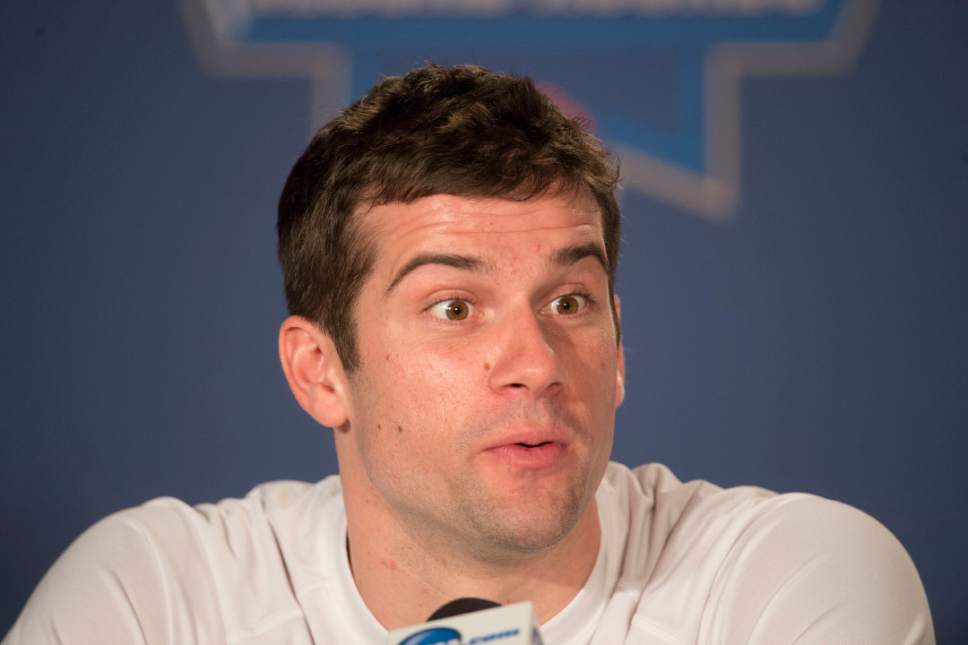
pixel 464 262
pixel 573 254
pixel 563 257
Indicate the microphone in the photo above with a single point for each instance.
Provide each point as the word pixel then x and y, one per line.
pixel 473 621
pixel 462 606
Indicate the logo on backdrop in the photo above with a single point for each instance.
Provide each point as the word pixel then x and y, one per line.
pixel 659 79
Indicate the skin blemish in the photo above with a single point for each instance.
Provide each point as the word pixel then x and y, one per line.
pixel 379 427
pixel 487 367
pixel 399 429
pixel 389 564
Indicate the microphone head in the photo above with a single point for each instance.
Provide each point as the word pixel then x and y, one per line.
pixel 462 606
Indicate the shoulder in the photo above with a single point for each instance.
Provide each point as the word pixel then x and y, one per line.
pixel 760 567
pixel 657 502
pixel 815 570
pixel 168 572
pixel 228 535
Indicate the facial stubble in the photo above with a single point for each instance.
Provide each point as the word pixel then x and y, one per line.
pixel 522 524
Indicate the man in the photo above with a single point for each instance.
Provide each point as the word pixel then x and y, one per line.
pixel 449 246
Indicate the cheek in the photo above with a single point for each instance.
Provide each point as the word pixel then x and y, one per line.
pixel 416 393
pixel 441 364
pixel 591 357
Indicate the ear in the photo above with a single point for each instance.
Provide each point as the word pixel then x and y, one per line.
pixel 620 361
pixel 314 371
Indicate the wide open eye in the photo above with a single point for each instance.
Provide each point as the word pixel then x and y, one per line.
pixel 568 305
pixel 454 309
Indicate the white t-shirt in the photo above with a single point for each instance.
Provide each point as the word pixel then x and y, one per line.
pixel 679 564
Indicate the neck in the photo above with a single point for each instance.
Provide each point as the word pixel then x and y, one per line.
pixel 403 577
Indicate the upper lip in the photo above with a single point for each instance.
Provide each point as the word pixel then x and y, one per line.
pixel 531 436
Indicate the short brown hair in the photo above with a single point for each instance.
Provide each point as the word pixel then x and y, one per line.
pixel 459 130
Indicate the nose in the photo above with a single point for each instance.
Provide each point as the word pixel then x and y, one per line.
pixel 525 357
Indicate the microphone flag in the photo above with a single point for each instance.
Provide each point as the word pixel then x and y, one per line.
pixel 501 625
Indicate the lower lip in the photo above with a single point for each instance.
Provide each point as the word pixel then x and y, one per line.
pixel 517 456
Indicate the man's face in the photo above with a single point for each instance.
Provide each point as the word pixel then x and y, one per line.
pixel 484 405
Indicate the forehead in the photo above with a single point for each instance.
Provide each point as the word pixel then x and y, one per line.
pixel 478 223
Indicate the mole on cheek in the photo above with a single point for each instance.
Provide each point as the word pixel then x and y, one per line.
pixel 399 429
pixel 487 367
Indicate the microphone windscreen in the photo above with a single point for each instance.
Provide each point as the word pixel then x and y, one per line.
pixel 462 606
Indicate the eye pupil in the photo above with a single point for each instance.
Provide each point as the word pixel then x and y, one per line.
pixel 567 305
pixel 456 311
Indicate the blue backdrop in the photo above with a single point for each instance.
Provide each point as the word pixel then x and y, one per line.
pixel 806 331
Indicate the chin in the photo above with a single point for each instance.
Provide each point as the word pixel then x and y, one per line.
pixel 526 529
